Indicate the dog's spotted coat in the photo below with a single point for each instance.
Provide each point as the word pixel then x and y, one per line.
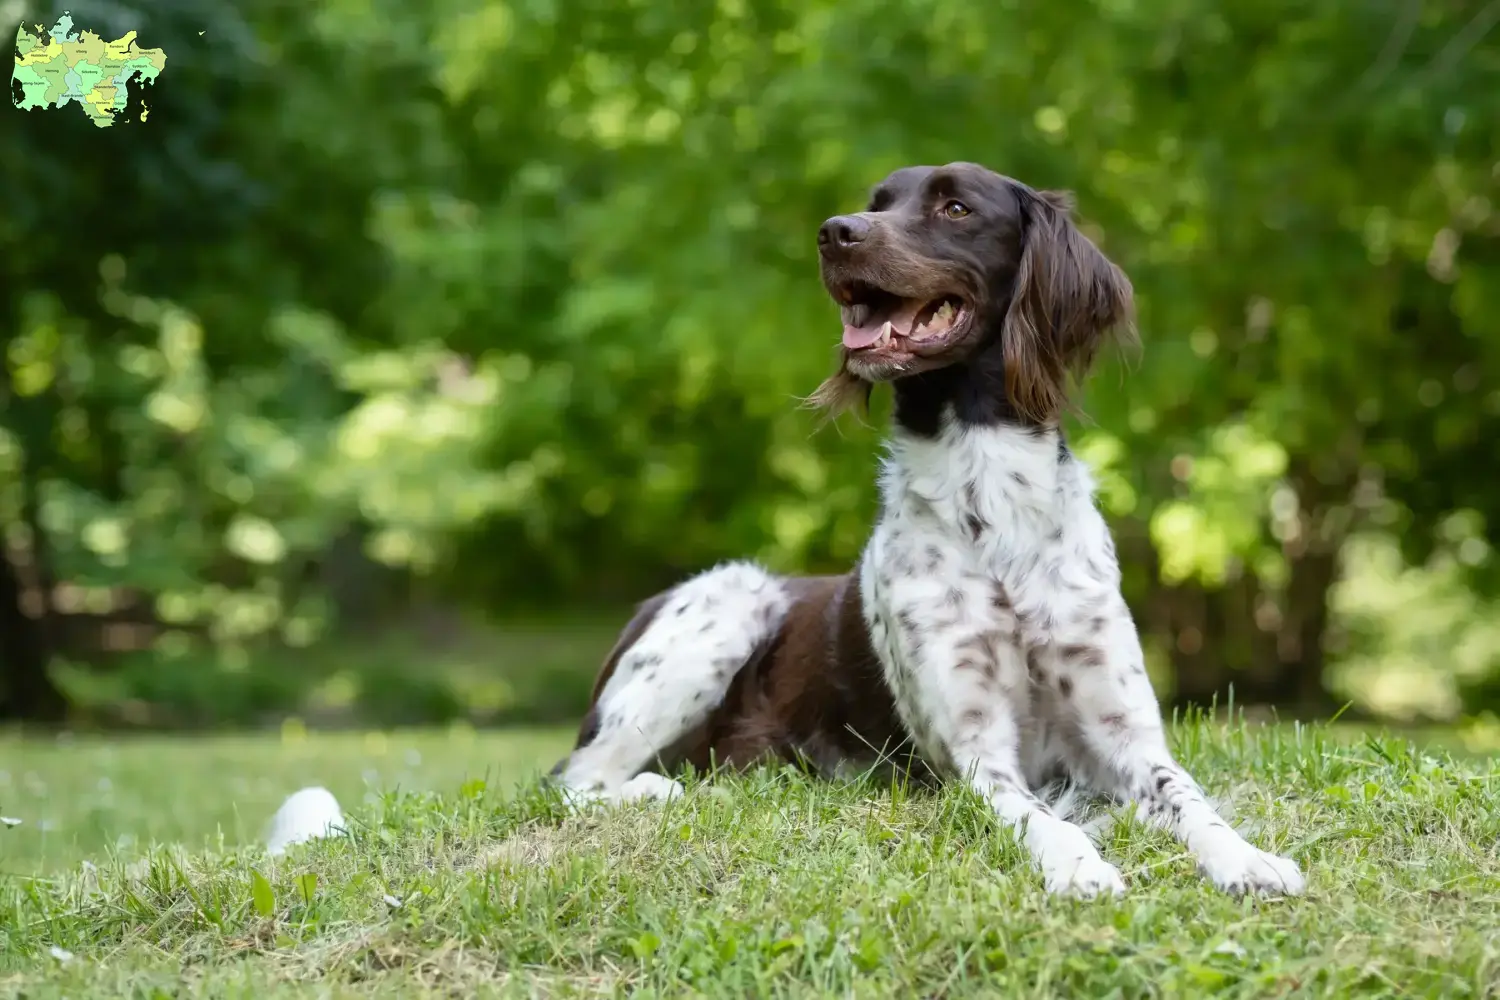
pixel 993 597
pixel 988 603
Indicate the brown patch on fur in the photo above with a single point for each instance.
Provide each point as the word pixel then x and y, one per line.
pixel 813 692
pixel 1085 656
pixel 999 598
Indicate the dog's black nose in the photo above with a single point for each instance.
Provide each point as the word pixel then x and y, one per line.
pixel 842 232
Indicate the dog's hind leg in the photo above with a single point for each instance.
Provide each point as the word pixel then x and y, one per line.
pixel 668 676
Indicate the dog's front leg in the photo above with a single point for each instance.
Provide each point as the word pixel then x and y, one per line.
pixel 950 652
pixel 1069 861
pixel 1096 667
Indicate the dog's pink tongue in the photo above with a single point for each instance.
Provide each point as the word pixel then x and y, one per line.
pixel 857 338
pixel 902 320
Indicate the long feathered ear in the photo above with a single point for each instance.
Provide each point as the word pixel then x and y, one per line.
pixel 1068 297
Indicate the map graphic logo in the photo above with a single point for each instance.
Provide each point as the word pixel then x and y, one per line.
pixel 61 66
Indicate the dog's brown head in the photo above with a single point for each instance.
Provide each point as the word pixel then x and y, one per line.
pixel 957 265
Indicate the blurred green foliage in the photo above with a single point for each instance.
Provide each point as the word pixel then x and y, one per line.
pixel 507 306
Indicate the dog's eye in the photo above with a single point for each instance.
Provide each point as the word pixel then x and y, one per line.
pixel 955 210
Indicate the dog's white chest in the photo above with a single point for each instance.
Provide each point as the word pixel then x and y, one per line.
pixel 987 541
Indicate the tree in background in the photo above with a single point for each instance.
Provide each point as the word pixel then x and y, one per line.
pixel 518 300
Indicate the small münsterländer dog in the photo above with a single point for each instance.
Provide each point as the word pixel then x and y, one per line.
pixel 983 631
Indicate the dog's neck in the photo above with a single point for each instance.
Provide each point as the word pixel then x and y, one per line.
pixel 1004 492
pixel 973 391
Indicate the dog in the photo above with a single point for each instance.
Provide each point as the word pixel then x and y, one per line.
pixel 982 634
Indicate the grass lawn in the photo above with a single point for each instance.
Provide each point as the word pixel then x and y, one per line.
pixel 83 798
pixel 765 885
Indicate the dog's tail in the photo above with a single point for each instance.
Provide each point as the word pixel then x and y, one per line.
pixel 307 814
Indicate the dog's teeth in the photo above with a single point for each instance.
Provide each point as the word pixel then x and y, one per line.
pixel 944 313
pixel 885 333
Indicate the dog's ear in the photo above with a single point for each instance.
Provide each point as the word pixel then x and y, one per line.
pixel 1067 298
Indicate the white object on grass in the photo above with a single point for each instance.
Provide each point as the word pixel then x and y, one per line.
pixel 306 814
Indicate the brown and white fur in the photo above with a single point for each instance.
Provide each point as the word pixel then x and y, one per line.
pixel 983 633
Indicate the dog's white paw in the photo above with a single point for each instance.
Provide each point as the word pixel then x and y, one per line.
pixel 1241 868
pixel 649 786
pixel 1084 878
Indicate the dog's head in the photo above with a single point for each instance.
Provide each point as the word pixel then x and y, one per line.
pixel 957 264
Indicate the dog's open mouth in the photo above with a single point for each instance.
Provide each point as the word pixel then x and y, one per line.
pixel 875 319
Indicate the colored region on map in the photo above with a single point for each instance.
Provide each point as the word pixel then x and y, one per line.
pixel 62 65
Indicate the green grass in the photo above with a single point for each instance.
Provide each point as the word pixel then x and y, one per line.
pixel 772 884
pixel 82 798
